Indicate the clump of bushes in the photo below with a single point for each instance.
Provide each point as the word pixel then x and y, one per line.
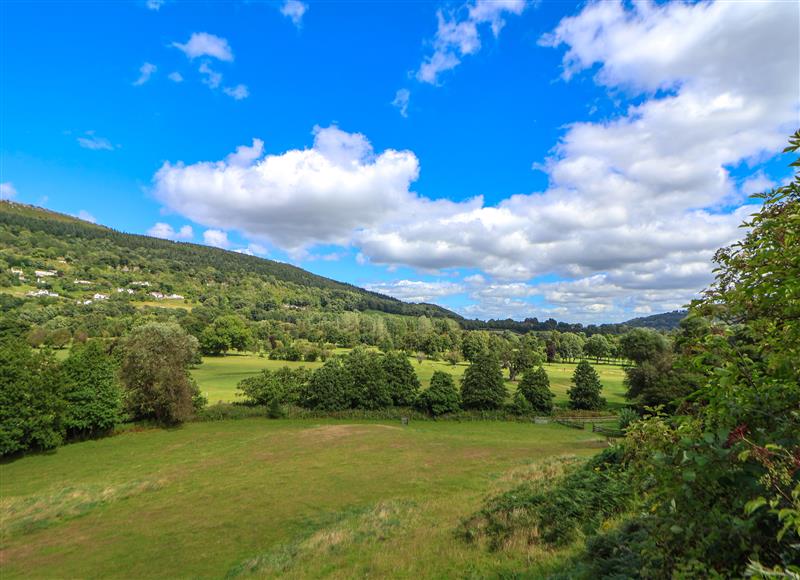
pixel 282 385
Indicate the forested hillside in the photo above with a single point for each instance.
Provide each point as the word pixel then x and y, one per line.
pixel 103 260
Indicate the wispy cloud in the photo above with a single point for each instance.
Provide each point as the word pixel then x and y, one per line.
pixel 145 72
pixel 294 9
pixel 95 142
pixel 400 101
pixel 175 77
pixel 205 44
pixel 154 4
pixel 458 34
pixel 238 92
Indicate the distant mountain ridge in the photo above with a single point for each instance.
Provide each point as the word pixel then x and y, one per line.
pixel 663 321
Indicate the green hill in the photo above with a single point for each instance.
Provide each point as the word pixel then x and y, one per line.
pixel 103 260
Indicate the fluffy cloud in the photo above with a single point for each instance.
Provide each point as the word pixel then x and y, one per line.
pixel 458 34
pixel 145 72
pixel 634 207
pixel 154 4
pixel 216 238
pixel 238 92
pixel 298 198
pixel 94 142
pixel 294 10
pixel 416 291
pixel 204 44
pixel 175 77
pixel 400 101
pixel 166 231
pixel 7 190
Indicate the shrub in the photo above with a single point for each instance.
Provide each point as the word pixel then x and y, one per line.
pixel 31 406
pixel 92 392
pixel 441 397
pixel 402 380
pixel 520 405
pixel 554 510
pixel 586 387
pixel 535 386
pixel 482 386
pixel 275 410
pixel 283 385
pixel 155 373
pixel 626 417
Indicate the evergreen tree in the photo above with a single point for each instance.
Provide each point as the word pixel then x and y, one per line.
pixel 586 387
pixel 31 405
pixel 441 396
pixel 482 386
pixel 92 391
pixel 535 387
pixel 402 380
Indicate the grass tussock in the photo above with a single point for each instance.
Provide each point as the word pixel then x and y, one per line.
pixel 344 531
pixel 22 515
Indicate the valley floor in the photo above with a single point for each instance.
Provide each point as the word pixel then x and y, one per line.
pixel 295 498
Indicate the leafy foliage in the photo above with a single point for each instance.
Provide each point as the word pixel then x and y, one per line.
pixel 283 385
pixel 155 373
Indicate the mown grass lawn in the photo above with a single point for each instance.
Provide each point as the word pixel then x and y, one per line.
pixel 290 498
pixel 218 376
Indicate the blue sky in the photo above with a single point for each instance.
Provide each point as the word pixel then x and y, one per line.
pixel 580 161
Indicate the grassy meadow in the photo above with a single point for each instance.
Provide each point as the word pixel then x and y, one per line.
pixel 218 376
pixel 266 498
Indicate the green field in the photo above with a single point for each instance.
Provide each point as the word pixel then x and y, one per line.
pixel 218 376
pixel 291 498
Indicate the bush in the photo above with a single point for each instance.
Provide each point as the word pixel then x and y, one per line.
pixel 626 417
pixel 441 397
pixel 554 510
pixel 275 410
pixel 482 386
pixel 535 386
pixel 92 392
pixel 366 381
pixel 586 387
pixel 327 389
pixel 283 385
pixel 402 380
pixel 155 373
pixel 520 405
pixel 31 405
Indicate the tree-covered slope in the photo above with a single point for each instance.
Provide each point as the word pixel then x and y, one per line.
pixel 32 238
pixel 664 321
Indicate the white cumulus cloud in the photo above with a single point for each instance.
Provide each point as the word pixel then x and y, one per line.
pixel 216 238
pixel 238 92
pixel 167 232
pixel 205 44
pixel 294 10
